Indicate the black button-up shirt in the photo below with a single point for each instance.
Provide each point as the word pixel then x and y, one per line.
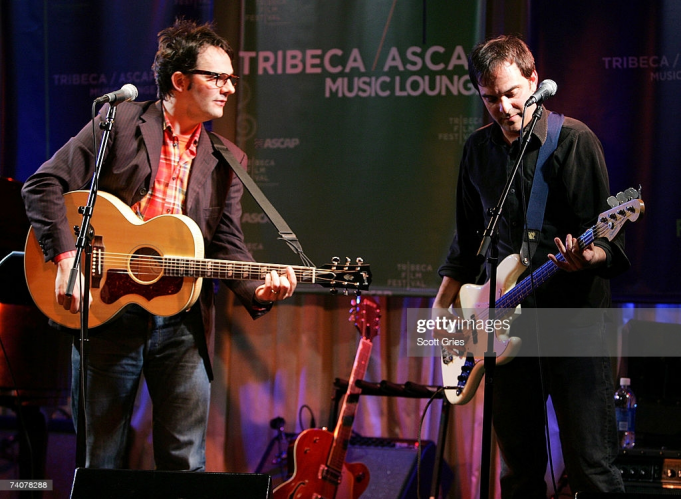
pixel 578 189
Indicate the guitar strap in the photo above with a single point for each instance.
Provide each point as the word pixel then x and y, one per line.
pixel 270 211
pixel 540 190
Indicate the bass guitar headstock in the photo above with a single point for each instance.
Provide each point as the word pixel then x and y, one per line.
pixel 626 206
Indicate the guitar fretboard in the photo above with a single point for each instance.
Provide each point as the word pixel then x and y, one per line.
pixel 523 289
pixel 225 269
pixel 608 225
pixel 346 418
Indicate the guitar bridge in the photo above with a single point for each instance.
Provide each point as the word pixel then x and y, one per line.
pixel 97 262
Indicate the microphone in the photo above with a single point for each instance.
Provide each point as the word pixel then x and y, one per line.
pixel 547 88
pixel 127 92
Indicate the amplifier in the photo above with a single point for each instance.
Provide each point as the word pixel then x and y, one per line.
pixel 394 467
pixel 651 470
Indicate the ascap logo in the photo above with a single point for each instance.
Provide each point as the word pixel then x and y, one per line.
pixel 253 218
pixel 280 143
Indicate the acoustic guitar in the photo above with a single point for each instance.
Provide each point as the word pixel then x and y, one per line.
pixel 158 264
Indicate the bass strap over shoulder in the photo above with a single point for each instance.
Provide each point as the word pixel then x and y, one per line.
pixel 540 190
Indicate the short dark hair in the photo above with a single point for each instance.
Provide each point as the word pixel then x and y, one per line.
pixel 178 49
pixel 486 58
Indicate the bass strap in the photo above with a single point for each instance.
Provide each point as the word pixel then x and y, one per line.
pixel 285 232
pixel 540 190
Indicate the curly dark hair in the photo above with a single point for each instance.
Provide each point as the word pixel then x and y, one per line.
pixel 486 57
pixel 178 49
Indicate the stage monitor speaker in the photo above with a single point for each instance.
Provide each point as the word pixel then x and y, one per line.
pixel 392 467
pixel 140 484
pixel 627 495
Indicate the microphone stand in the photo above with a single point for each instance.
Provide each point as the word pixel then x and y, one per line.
pixel 489 246
pixel 84 245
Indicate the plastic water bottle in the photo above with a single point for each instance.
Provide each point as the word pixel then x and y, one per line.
pixel 625 407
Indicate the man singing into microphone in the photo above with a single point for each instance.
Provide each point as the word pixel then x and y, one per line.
pixel 581 388
pixel 159 160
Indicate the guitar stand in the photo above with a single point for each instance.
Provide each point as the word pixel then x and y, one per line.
pixel 407 390
pixel 282 440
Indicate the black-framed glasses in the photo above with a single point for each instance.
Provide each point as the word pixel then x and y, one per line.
pixel 220 78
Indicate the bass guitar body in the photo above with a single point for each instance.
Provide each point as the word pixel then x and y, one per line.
pixel 312 480
pixel 466 371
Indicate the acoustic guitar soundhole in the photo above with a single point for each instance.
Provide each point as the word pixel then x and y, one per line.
pixel 146 265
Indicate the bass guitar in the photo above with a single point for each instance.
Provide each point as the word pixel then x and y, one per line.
pixel 320 470
pixel 157 264
pixel 463 369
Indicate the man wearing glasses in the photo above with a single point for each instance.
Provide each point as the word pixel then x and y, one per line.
pixel 160 160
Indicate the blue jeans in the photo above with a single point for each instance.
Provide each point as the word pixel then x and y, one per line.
pixel 166 350
pixel 582 392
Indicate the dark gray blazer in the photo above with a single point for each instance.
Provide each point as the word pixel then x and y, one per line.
pixel 131 163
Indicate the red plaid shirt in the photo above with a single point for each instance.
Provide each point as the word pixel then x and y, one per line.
pixel 167 195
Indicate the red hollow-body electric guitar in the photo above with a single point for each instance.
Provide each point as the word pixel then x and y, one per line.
pixel 320 470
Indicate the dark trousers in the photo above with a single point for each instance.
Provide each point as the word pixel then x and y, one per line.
pixel 582 393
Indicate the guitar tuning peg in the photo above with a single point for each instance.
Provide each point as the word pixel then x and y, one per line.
pixel 612 201
pixel 360 260
pixel 347 260
pixel 632 193
pixel 622 197
pixel 335 260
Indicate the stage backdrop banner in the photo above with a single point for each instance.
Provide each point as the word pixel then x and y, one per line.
pixel 354 116
pixel 60 55
pixel 621 74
